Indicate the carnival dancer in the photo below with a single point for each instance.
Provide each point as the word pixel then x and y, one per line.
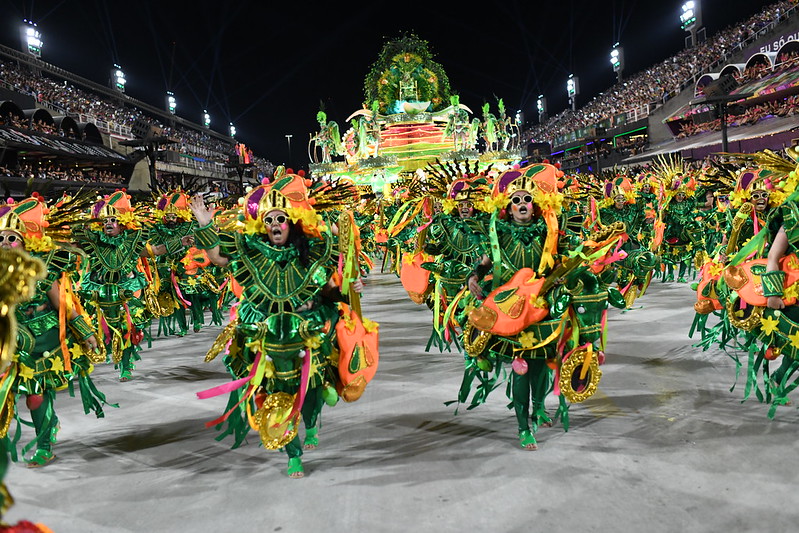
pixel 522 320
pixel 19 273
pixel 755 293
pixel 115 285
pixel 186 283
pixel 56 341
pixel 682 244
pixel 279 345
pixel 454 237
pixel 619 205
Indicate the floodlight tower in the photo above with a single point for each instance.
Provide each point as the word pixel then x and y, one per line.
pixel 541 104
pixel 32 39
pixel 691 20
pixel 232 130
pixel 206 119
pixel 118 80
pixel 573 89
pixel 171 103
pixel 617 60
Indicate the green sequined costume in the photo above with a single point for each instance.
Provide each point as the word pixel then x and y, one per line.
pixel 283 310
pixel 682 238
pixel 518 246
pixel 111 287
pixel 180 289
pixel 456 244
pixel 40 367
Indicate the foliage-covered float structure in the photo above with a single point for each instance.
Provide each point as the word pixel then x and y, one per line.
pixel 410 118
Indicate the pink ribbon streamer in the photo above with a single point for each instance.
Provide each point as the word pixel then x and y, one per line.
pixel 233 385
pixel 304 374
pixel 177 290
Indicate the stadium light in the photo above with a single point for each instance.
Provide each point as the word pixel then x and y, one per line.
pixel 573 89
pixel 691 19
pixel 171 103
pixel 232 130
pixel 617 60
pixel 118 79
pixel 541 105
pixel 32 39
pixel 206 119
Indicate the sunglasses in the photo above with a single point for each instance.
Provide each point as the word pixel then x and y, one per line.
pixel 280 219
pixel 759 195
pixel 522 199
pixel 9 238
pixel 110 220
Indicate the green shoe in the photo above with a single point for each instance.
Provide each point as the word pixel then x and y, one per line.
pixel 527 440
pixel 125 375
pixel 295 469
pixel 54 433
pixel 41 458
pixel 311 438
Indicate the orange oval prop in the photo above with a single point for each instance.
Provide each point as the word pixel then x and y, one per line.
pixel 752 290
pixel 414 278
pixel 512 307
pixel 358 354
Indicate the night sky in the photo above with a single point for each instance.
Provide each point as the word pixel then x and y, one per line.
pixel 266 67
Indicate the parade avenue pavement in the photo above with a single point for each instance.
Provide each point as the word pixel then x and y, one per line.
pixel 663 446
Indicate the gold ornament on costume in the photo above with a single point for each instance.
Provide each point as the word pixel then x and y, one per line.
pixel 274 425
pixel 474 340
pixel 18 275
pixel 579 375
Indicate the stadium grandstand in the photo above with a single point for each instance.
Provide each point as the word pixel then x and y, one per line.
pixel 665 108
pixel 59 131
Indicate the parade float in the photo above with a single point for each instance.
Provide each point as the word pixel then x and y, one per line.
pixel 410 117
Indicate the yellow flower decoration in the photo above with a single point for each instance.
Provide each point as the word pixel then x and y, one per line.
pixel 792 291
pixel 58 365
pixel 128 219
pixel 25 372
pixel 313 342
pixel 369 325
pixel 308 217
pixel 527 340
pixel 39 244
pixel 491 204
pixel 715 269
pixel 794 339
pixel 448 205
pixel 548 200
pixel 254 225
pixel 768 325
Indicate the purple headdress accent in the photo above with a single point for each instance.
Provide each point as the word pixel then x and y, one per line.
pixel 746 179
pixel 162 202
pixel 254 201
pixel 457 188
pixel 506 179
pixel 96 208
pixel 608 188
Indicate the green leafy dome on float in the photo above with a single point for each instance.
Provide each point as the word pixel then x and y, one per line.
pixel 406 57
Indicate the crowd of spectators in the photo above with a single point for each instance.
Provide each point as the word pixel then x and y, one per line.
pixel 651 88
pixel 40 126
pixel 785 107
pixel 63 173
pixel 112 115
